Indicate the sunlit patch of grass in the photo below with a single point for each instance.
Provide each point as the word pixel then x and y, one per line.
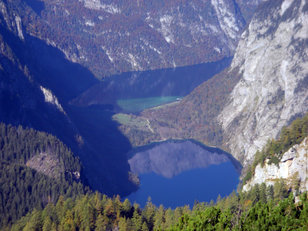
pixel 140 104
pixel 131 120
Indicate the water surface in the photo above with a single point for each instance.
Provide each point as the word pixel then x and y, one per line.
pixel 178 173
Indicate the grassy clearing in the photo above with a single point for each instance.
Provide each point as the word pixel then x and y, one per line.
pixel 131 121
pixel 140 104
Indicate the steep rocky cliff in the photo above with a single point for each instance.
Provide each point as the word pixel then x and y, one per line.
pixel 292 168
pixel 109 37
pixel 272 59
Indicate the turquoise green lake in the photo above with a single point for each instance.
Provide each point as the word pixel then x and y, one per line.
pixel 139 104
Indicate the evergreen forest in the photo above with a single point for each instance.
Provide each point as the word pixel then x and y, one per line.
pixel 263 208
pixel 35 169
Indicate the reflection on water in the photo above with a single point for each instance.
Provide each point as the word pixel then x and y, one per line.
pixel 171 158
pixel 176 173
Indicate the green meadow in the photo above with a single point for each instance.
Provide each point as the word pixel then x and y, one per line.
pixel 139 104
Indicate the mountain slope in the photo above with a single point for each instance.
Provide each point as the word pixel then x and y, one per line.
pixel 272 59
pixel 109 37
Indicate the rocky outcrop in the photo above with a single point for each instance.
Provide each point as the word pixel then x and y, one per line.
pixel 272 59
pixel 52 99
pixel 46 163
pixel 292 168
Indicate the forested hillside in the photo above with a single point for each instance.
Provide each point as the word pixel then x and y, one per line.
pixel 194 117
pixel 260 209
pixel 35 169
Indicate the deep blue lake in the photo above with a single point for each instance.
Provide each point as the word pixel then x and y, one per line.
pixel 178 173
pixel 187 163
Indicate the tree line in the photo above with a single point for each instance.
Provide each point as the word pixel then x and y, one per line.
pixel 258 209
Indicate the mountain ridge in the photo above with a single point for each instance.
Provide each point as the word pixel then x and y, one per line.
pixel 110 38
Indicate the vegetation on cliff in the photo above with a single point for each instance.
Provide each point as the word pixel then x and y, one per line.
pixel 274 149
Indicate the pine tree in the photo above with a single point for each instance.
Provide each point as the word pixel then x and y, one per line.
pixel 263 197
pixel 149 212
pixel 280 191
pixel 35 222
pixel 145 227
pixel 127 207
pixel 123 224
pixel 101 223
pixel 137 220
pixel 47 224
pixel 270 193
pixel 159 218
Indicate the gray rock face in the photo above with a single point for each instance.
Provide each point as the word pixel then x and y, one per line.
pixel 46 163
pixel 293 168
pixel 272 58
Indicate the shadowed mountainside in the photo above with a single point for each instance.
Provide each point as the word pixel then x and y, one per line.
pixel 36 83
